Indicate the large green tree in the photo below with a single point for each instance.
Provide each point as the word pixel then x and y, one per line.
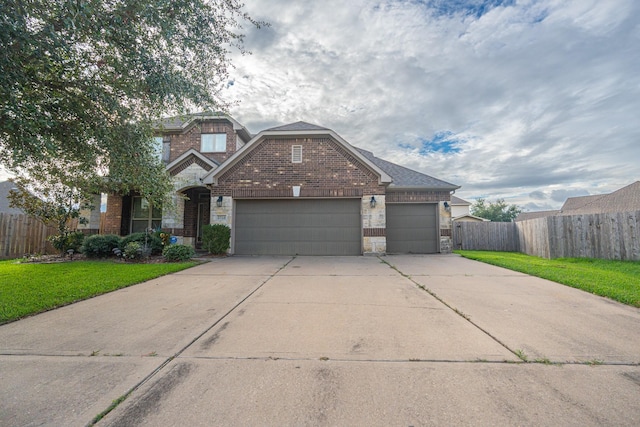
pixel 82 83
pixel 497 211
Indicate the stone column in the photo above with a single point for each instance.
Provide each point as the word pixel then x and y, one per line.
pixel 445 231
pixel 374 222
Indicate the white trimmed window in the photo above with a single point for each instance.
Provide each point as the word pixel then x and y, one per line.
pixel 213 143
pixel 144 216
pixel 158 147
pixel 296 153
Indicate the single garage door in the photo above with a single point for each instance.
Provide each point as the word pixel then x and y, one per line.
pixel 412 228
pixel 298 227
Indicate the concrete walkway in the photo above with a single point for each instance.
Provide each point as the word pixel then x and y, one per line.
pixel 396 340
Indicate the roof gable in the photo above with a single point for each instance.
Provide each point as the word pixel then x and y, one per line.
pixel 316 131
pixel 188 158
pixel 297 126
pixel 184 122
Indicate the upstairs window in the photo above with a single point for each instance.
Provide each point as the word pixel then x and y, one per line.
pixel 296 153
pixel 158 146
pixel 161 148
pixel 213 143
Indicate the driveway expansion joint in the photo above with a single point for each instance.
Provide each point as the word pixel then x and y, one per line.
pixel 147 378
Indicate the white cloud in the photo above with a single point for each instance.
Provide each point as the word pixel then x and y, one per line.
pixel 543 94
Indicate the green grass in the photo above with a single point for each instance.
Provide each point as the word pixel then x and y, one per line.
pixel 31 288
pixel 618 280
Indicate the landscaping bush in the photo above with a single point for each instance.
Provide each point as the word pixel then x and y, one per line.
pixel 66 241
pixel 100 245
pixel 216 238
pixel 133 251
pixel 178 252
pixel 152 240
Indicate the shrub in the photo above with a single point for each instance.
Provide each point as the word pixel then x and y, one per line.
pixel 66 241
pixel 178 252
pixel 152 240
pixel 100 245
pixel 215 238
pixel 133 250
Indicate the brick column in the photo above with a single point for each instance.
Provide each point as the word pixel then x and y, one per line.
pixel 113 218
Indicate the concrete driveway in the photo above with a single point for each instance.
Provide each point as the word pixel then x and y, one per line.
pixel 396 340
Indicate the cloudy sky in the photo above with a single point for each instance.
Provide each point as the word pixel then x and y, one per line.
pixel 530 101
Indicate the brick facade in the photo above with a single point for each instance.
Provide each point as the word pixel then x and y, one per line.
pixel 113 218
pixel 326 170
pixel 181 142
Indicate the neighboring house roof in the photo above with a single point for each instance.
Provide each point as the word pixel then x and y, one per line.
pixel 523 216
pixel 457 201
pixel 5 188
pixel 179 123
pixel 576 203
pixel 460 217
pixel 407 178
pixel 622 200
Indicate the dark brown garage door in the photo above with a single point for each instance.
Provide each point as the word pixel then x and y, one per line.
pixel 412 228
pixel 298 227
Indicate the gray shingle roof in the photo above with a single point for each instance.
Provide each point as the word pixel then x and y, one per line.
pixel 622 200
pixel 523 216
pixel 297 126
pixel 575 203
pixel 458 201
pixel 405 177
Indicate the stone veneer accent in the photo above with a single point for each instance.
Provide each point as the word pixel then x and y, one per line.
pixel 445 228
pixel 374 222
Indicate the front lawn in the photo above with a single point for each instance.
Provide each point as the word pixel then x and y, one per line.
pixel 31 288
pixel 618 280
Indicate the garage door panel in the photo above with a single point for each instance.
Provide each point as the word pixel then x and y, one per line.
pixel 304 227
pixel 412 228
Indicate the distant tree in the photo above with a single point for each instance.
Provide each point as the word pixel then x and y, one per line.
pixel 497 212
pixel 82 83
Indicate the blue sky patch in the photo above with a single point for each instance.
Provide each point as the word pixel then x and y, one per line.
pixel 445 142
pixel 475 8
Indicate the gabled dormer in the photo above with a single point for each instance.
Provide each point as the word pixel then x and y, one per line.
pixel 214 135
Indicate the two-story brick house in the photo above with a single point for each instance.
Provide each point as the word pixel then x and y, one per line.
pixel 294 189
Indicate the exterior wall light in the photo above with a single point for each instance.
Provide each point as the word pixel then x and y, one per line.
pixel 219 202
pixel 372 202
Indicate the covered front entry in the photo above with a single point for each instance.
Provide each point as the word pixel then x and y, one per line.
pixel 412 228
pixel 298 227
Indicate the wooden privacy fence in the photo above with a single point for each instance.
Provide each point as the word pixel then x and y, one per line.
pixel 22 234
pixel 485 236
pixel 606 235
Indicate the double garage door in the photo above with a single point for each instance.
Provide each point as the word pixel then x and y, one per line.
pixel 298 227
pixel 328 227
